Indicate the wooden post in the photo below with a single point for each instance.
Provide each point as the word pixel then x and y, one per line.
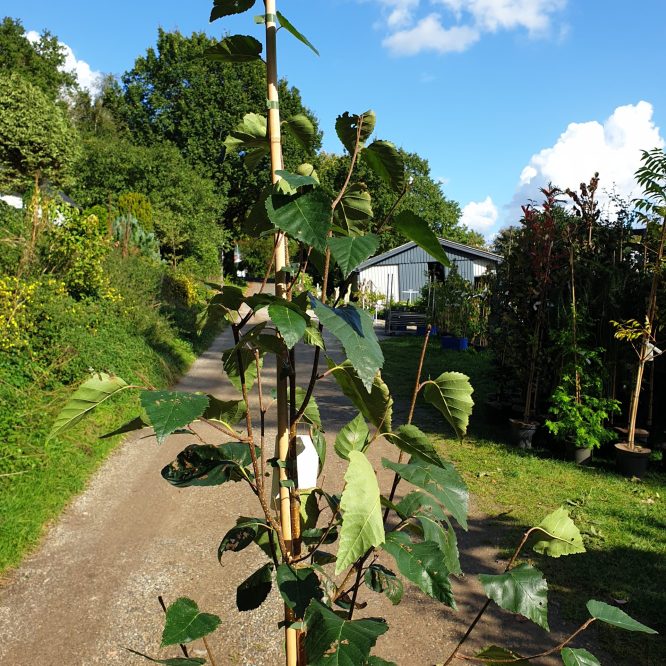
pixel 275 142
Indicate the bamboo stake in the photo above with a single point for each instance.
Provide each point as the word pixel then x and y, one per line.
pixel 291 638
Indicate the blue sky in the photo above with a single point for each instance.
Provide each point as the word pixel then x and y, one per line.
pixel 500 96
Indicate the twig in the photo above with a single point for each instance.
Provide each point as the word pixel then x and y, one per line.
pixel 208 651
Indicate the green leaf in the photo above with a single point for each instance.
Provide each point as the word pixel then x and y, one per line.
pixel 306 217
pixel 229 300
pixel 346 127
pixel 502 655
pixel 616 617
pixel 284 23
pixel 522 590
pixel 289 321
pixel 298 587
pixel 355 206
pixel 294 181
pixel 333 641
pixel 135 424
pixel 385 160
pixel 228 7
pixel 184 623
pixel 236 49
pixel 242 535
pixel 383 580
pixel 362 524
pixel 169 410
pixel 208 465
pixel 416 229
pixel 227 412
pixel 378 661
pixel 352 437
pixel 313 337
pixel 376 406
pixel 319 442
pixel 176 661
pixel 435 525
pixel 422 564
pixel 564 536
pixel 578 657
pixel 301 128
pixel 451 394
pixel 251 132
pixel 411 440
pixel 350 251
pixel 363 351
pixel 230 365
pixel 311 413
pixel 443 483
pixel 92 393
pixel 253 591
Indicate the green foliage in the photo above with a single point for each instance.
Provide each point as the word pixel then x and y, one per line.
pixel 522 590
pixel 35 135
pixel 362 525
pixel 564 537
pixel 502 655
pixel 75 249
pixel 578 657
pixel 333 641
pixel 169 410
pixel 451 394
pixel 380 579
pixel 254 590
pixel 352 437
pixel 615 616
pixel 349 251
pixel 185 623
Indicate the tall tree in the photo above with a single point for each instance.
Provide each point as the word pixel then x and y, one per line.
pixel 423 197
pixel 40 62
pixel 175 93
pixel 35 134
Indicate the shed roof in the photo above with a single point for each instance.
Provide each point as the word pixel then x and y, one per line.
pixel 444 242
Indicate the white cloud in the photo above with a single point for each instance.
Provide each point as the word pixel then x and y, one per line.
pixel 464 23
pixel 430 35
pixel 480 215
pixel 613 148
pixel 88 78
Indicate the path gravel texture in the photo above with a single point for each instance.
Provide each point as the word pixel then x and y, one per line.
pixel 91 588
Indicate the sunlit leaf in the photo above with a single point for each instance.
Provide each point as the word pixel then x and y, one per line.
pixel 289 320
pixel 578 657
pixel 169 410
pixel 564 537
pixel 443 483
pixel 618 618
pixel 241 535
pixel 352 437
pixel 376 406
pixel 451 394
pixel 230 365
pixel 411 440
pixel 284 23
pixel 522 590
pixel 92 393
pixel 422 564
pixel 502 655
pixel 185 623
pixel 227 412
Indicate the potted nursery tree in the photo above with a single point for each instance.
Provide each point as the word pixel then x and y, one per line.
pixel 632 459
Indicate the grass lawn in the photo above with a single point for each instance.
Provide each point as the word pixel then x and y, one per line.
pixel 622 521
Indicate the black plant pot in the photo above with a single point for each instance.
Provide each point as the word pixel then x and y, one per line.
pixel 631 462
pixel 522 433
pixel 581 455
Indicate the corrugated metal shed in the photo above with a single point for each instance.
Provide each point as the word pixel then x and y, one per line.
pixel 404 270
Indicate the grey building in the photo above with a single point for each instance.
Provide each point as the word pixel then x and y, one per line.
pixel 406 269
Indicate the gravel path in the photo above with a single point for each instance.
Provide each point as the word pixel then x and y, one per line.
pixel 91 588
